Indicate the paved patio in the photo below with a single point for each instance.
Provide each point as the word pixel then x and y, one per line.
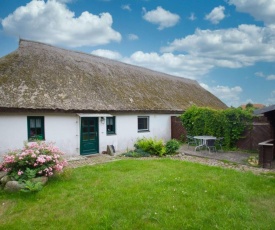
pixel 234 157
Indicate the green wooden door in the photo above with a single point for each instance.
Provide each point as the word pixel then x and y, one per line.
pixel 89 135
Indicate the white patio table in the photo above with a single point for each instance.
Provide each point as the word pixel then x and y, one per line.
pixel 202 141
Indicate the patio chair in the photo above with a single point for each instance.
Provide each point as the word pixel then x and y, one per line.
pixel 219 142
pixel 191 140
pixel 211 144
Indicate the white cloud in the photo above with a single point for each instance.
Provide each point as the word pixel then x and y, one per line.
pixel 259 74
pixel 271 100
pixel 126 7
pixel 178 65
pixel 107 53
pixel 232 48
pixel 216 15
pixel 161 17
pixel 267 77
pixel 262 10
pixel 132 37
pixel 231 96
pixel 192 17
pixel 270 77
pixel 52 22
pixel 64 1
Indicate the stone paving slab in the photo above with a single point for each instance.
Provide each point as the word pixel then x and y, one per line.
pixel 236 157
pixel 75 162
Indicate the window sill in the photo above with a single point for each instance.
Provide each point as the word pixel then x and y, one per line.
pixel 143 131
pixel 36 140
pixel 111 134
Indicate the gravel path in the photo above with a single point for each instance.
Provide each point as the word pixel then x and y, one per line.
pixel 232 160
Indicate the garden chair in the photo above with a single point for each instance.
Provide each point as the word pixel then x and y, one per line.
pixel 219 142
pixel 191 140
pixel 211 144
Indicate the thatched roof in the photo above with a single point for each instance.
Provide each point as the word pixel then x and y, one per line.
pixel 44 77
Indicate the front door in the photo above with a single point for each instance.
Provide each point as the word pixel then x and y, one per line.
pixel 89 135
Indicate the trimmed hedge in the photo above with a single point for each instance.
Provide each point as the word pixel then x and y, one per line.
pixel 229 123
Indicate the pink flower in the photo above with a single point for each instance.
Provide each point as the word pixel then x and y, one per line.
pixel 40 159
pixel 20 172
pixel 48 158
pixel 9 159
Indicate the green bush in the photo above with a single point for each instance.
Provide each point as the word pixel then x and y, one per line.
pixel 229 123
pixel 172 146
pixel 137 153
pixel 150 145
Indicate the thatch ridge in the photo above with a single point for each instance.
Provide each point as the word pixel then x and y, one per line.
pixel 41 76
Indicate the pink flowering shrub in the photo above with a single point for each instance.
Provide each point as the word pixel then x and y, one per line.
pixel 34 160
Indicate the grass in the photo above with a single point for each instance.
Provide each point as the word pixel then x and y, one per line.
pixel 145 194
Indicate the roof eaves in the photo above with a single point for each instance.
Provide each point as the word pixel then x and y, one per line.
pixel 264 110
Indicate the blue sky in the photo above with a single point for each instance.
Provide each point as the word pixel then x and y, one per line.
pixel 228 46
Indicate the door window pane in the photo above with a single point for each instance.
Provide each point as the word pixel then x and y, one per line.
pixel 92 136
pixel 85 136
pixel 85 122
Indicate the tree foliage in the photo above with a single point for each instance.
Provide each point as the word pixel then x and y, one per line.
pixel 230 123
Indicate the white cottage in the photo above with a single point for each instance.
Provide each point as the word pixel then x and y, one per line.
pixel 84 103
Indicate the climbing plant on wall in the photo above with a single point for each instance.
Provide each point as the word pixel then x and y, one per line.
pixel 229 123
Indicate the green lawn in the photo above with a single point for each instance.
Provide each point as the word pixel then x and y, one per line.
pixel 145 194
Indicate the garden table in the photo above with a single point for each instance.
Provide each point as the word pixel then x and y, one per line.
pixel 203 141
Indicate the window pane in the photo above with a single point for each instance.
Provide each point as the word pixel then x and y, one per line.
pixel 109 121
pixel 38 123
pixel 33 132
pixel 109 128
pixel 110 125
pixel 36 128
pixel 38 131
pixel 143 123
pixel 32 123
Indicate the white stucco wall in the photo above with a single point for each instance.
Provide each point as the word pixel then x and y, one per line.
pixel 64 131
pixel 127 131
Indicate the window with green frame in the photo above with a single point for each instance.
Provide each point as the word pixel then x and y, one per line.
pixel 111 125
pixel 36 128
